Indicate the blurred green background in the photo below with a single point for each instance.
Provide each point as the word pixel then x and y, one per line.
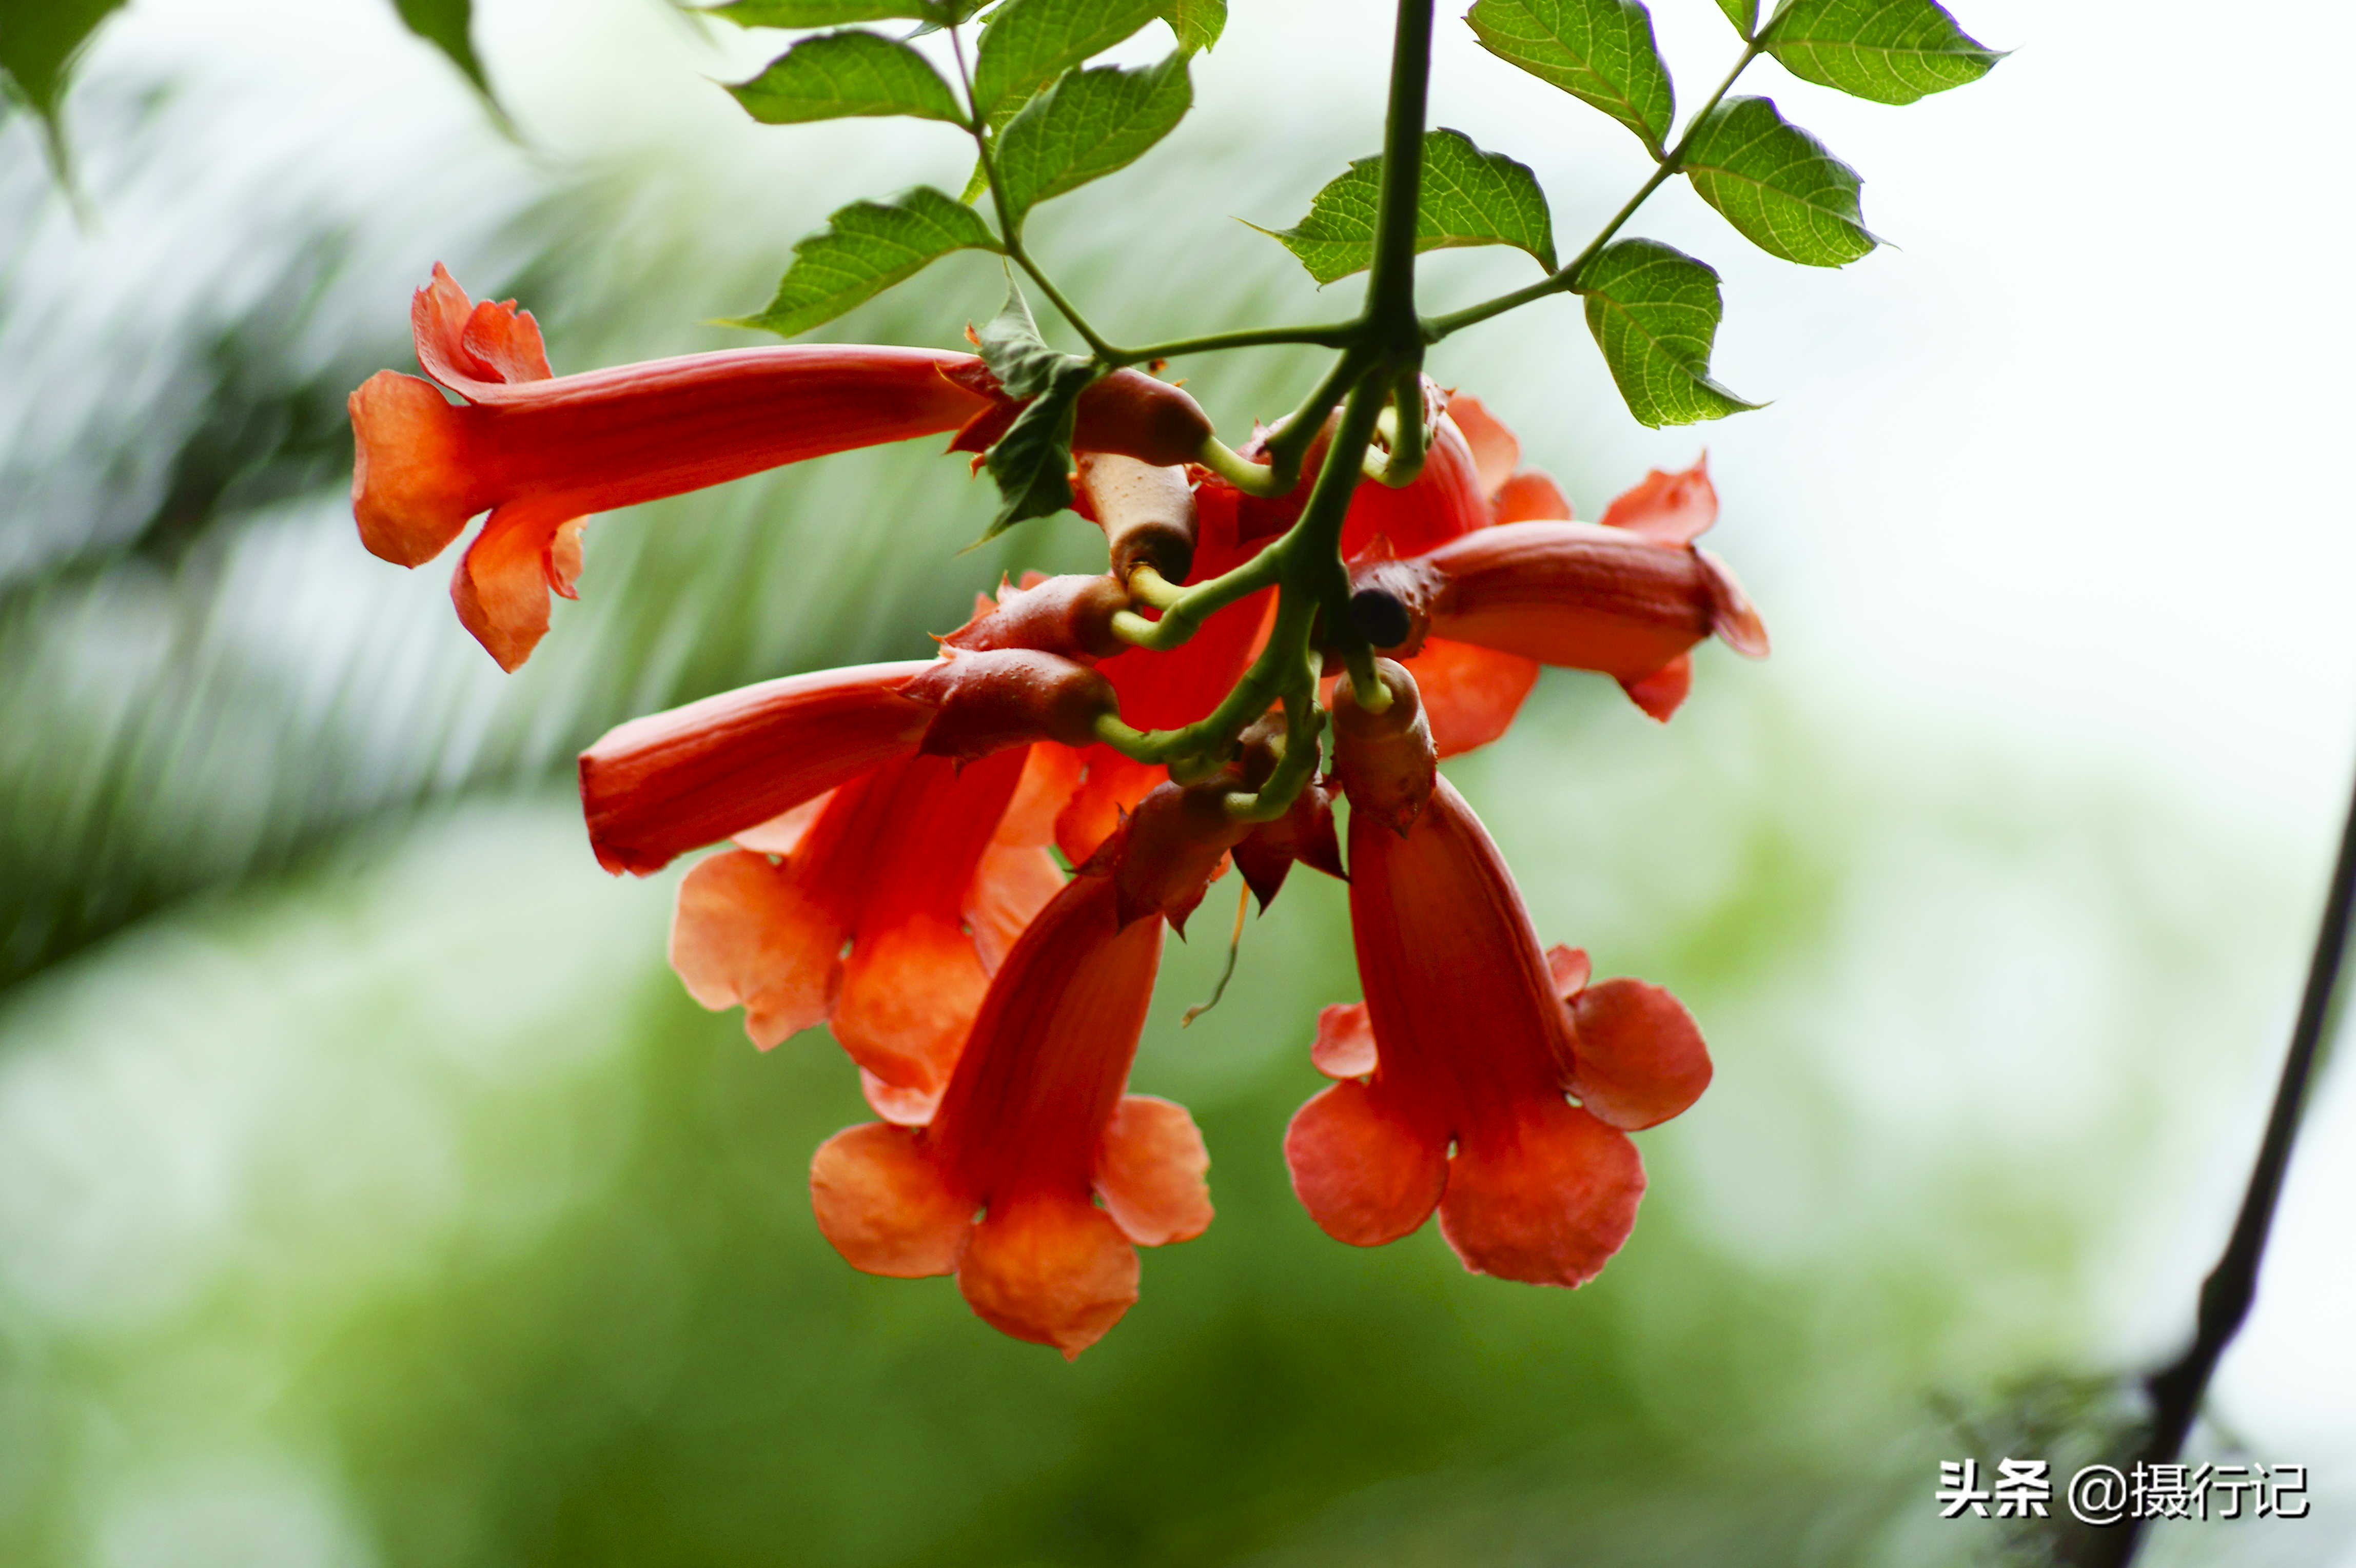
pixel 371 1194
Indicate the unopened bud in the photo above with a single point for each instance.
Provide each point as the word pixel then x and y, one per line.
pixel 1147 513
pixel 989 700
pixel 1386 761
pixel 1070 615
pixel 1133 413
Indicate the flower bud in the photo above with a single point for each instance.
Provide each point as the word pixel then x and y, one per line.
pixel 1137 416
pixel 1147 513
pixel 1004 697
pixel 1386 761
pixel 1071 616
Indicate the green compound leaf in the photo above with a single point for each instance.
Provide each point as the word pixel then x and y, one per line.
pixel 1026 44
pixel 1743 14
pixel 1197 23
pixel 1655 312
pixel 865 249
pixel 38 40
pixel 1891 52
pixel 1086 126
pixel 1032 463
pixel 1598 51
pixel 1776 183
pixel 1469 197
pixel 448 25
pixel 836 75
pixel 835 12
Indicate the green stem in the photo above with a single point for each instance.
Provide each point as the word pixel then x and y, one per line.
pixel 1565 279
pixel 1309 575
pixel 1333 337
pixel 1184 616
pixel 1391 283
pixel 1008 233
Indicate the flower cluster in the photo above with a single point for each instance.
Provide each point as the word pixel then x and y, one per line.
pixel 897 836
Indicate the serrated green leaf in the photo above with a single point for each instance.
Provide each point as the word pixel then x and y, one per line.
pixel 1197 23
pixel 1086 126
pixel 1777 184
pixel 1890 52
pixel 1598 51
pixel 1016 354
pixel 836 13
pixel 448 25
pixel 1032 462
pixel 1026 44
pixel 865 249
pixel 1654 313
pixel 1468 197
pixel 837 75
pixel 38 40
pixel 1743 14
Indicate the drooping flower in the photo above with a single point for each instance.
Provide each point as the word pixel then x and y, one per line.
pixel 1456 1071
pixel 880 910
pixel 540 452
pixel 890 839
pixel 1038 1176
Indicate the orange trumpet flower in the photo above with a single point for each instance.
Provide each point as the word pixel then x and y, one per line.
pixel 1068 1174
pixel 1454 1072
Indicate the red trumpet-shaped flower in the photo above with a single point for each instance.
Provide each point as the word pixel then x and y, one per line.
pixel 874 884
pixel 1628 597
pixel 1067 1174
pixel 1455 1072
pixel 540 451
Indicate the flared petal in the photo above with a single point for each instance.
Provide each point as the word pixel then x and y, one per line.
pixel 483 352
pixel 1470 693
pixel 910 989
pixel 1051 1269
pixel 413 490
pixel 1732 616
pixel 747 933
pixel 659 786
pixel 1637 1055
pixel 901 1107
pixel 1149 1171
pixel 1496 452
pixel 1545 1197
pixel 1530 495
pixel 1050 774
pixel 881 1199
pixel 1111 789
pixel 1345 1047
pixel 1673 508
pixel 1011 886
pixel 1663 693
pixel 1367 1172
pixel 502 584
pixel 784 834
pixel 1568 968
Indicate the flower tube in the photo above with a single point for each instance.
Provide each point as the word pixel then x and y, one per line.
pixel 1453 1071
pixel 540 451
pixel 1068 1173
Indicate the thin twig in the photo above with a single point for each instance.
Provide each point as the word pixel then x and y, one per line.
pixel 2177 1390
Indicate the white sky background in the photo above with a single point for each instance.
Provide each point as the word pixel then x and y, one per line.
pixel 2062 469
